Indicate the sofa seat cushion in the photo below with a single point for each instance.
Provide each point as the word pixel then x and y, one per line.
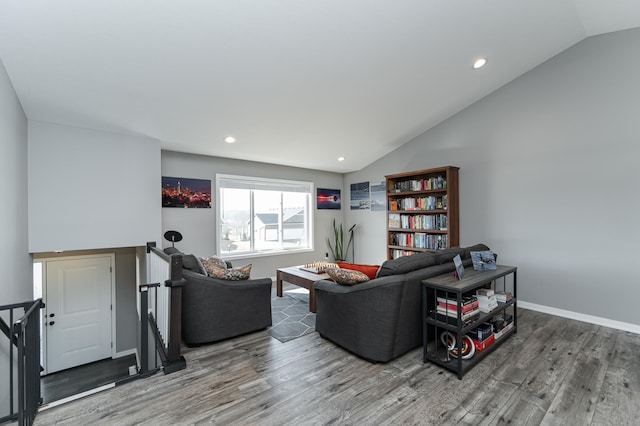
pixel 369 270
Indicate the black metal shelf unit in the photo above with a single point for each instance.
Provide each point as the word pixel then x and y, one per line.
pixel 449 287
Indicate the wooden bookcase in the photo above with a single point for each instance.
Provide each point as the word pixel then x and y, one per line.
pixel 422 211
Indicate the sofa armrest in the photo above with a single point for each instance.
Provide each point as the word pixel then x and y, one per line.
pixel 361 318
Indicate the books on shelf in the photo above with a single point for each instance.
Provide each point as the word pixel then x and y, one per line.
pixel 394 220
pixel 419 203
pixel 453 320
pixel 464 316
pixel 503 296
pixel 500 323
pixel 482 331
pixel 435 182
pixel 466 303
pixel 483 344
pixel 488 292
pixel 419 221
pixel 504 330
pixel 487 301
pixel 418 240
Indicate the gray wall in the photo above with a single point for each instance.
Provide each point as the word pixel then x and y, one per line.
pixel 198 225
pixel 549 168
pixel 90 189
pixel 17 283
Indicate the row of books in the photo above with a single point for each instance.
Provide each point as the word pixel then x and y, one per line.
pixel 436 182
pixel 447 310
pixel 410 221
pixel 419 203
pixel 418 240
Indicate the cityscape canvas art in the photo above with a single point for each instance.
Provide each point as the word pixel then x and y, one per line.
pixel 186 193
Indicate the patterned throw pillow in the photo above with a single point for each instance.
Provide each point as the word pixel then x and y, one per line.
pixel 347 276
pixel 232 274
pixel 212 261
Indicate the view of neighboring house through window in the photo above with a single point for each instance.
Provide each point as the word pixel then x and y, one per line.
pixel 263 216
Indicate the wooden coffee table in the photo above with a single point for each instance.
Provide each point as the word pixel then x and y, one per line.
pixel 304 279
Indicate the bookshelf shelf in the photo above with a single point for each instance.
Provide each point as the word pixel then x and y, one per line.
pixel 422 211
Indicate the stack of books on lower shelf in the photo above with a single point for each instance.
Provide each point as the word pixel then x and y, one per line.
pixel 487 301
pixel 447 310
pixel 501 325
pixel 482 336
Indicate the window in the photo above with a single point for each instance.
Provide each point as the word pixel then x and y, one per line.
pixel 263 216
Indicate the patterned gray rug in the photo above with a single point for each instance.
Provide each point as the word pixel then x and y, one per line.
pixel 290 314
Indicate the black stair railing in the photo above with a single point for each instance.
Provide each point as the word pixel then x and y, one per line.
pixel 161 315
pixel 24 338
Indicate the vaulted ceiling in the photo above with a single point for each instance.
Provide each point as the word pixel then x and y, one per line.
pixel 296 82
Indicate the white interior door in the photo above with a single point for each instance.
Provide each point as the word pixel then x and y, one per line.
pixel 78 312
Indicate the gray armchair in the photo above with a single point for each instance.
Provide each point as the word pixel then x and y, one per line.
pixel 214 309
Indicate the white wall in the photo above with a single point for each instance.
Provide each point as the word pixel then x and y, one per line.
pixel 16 283
pixel 549 168
pixel 90 189
pixel 198 226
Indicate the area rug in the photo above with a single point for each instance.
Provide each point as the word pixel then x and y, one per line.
pixel 290 315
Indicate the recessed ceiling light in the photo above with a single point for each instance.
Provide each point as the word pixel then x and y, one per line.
pixel 340 158
pixel 229 139
pixel 479 63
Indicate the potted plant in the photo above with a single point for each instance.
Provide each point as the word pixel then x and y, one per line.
pixel 337 248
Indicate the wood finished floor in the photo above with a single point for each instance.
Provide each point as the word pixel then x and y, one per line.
pixel 73 381
pixel 554 371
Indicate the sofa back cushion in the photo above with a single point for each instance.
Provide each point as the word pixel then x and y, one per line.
pixel 447 255
pixel 477 247
pixel 405 264
pixel 192 263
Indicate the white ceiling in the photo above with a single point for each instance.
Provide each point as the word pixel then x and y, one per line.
pixel 297 82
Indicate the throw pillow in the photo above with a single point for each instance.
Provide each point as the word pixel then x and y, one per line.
pixel 346 276
pixel 212 261
pixel 232 274
pixel 369 270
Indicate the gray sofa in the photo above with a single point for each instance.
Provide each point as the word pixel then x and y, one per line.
pixel 381 319
pixel 214 309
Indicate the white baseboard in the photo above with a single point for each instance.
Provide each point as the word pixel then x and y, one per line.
pixel 618 325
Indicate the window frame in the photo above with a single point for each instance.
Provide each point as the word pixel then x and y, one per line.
pixel 266 182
